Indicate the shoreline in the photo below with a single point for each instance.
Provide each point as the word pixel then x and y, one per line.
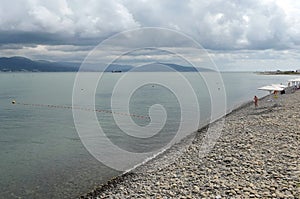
pixel 278 73
pixel 120 178
pixel 123 185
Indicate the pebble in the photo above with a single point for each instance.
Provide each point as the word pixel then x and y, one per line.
pixel 257 156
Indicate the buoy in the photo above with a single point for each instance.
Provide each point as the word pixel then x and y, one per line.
pixel 13 102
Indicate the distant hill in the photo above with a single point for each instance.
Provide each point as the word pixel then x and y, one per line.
pixel 117 68
pixel 153 67
pixel 181 68
pixel 24 64
pixel 15 64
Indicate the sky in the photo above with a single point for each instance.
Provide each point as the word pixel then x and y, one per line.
pixel 237 34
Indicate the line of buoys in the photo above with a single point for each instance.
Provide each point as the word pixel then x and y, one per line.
pixel 83 109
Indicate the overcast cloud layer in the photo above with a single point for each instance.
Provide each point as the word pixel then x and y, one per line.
pixel 252 33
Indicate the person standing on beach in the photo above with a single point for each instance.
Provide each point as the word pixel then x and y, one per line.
pixel 275 94
pixel 255 99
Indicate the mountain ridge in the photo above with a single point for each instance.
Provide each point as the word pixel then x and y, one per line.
pixel 23 64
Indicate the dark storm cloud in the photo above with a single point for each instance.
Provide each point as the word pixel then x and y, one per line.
pixel 15 46
pixel 21 37
pixel 26 37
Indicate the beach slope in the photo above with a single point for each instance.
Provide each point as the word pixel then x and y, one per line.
pixel 257 156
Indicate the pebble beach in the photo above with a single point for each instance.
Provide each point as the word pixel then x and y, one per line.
pixel 256 156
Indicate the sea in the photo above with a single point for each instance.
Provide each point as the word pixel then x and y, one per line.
pixel 41 150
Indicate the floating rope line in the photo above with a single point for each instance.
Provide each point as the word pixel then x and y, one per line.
pixel 82 108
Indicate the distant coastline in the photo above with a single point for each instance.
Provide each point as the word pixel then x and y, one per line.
pixel 23 64
pixel 279 72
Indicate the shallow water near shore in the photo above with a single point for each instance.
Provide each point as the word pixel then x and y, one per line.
pixel 41 153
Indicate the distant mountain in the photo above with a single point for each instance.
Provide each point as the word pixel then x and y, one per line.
pixel 155 67
pixel 25 64
pixel 181 68
pixel 118 68
pixel 14 64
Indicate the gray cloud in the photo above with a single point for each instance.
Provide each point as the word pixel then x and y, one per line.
pixel 62 22
pixel 230 24
pixel 15 46
pixel 67 29
pixel 222 24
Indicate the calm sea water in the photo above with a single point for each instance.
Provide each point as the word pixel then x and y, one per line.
pixel 40 150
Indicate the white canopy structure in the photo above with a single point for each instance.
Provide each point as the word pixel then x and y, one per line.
pixel 295 82
pixel 280 86
pixel 271 88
